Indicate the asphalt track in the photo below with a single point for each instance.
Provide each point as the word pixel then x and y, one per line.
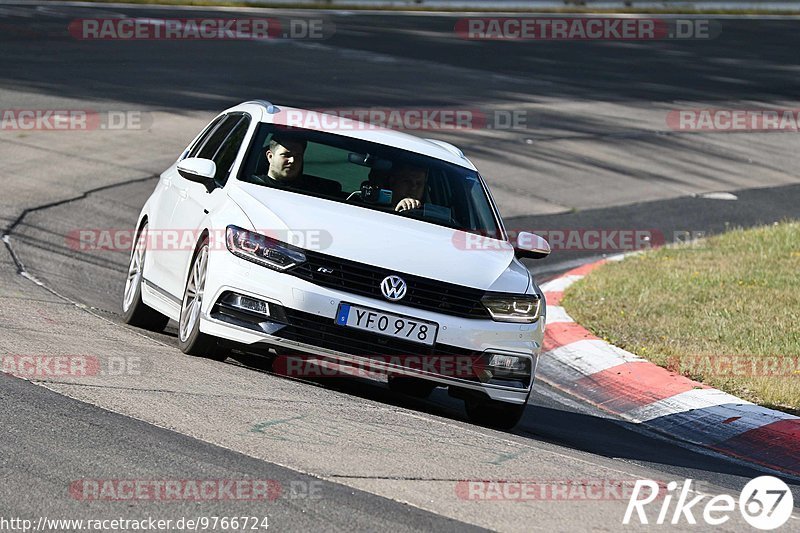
pixel 596 153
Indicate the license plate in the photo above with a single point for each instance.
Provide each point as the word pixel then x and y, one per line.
pixel 388 324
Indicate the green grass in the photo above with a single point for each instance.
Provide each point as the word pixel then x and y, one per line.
pixel 724 311
pixel 421 7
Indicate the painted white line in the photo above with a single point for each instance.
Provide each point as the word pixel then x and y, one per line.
pixel 556 314
pixel 718 196
pixel 717 424
pixel 591 356
pixel 559 284
pixel 684 402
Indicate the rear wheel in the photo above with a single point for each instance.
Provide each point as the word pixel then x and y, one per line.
pixel 190 340
pixel 134 311
pixel 494 414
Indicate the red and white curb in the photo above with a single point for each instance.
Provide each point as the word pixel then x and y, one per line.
pixel 584 366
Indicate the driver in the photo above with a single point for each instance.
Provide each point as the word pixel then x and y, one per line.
pixel 407 183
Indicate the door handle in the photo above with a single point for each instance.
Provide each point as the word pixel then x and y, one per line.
pixel 183 193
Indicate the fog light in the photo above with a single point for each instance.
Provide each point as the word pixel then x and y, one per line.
pixel 506 370
pixel 250 304
pixel 505 362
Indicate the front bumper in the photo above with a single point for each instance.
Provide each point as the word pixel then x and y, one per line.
pixel 302 317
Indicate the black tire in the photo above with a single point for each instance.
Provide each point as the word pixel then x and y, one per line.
pixel 134 310
pixel 190 340
pixel 418 388
pixel 494 414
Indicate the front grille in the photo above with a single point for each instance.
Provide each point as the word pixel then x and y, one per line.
pixel 365 280
pixel 324 333
pixel 314 330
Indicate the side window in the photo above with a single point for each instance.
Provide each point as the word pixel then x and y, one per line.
pixel 203 137
pixel 226 154
pixel 218 136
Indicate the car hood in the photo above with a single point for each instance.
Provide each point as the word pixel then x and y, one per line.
pixel 381 239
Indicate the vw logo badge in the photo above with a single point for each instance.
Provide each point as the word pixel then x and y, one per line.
pixel 393 288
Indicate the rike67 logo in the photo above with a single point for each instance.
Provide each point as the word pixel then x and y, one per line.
pixel 765 503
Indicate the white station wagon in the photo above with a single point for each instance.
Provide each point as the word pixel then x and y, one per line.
pixel 343 244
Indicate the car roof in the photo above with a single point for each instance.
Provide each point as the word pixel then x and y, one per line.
pixel 314 120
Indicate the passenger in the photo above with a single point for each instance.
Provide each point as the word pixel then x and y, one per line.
pixel 285 159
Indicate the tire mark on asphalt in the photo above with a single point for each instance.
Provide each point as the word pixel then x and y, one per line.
pixel 25 212
pixel 22 271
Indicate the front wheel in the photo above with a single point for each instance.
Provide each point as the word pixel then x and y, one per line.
pixel 494 414
pixel 190 340
pixel 134 311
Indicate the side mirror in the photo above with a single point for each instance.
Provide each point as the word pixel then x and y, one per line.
pixel 199 170
pixel 531 246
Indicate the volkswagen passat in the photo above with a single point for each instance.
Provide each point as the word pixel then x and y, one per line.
pixel 301 235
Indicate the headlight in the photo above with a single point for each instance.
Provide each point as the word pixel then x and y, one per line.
pixel 512 308
pixel 261 249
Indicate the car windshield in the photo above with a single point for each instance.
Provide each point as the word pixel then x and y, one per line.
pixel 369 175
